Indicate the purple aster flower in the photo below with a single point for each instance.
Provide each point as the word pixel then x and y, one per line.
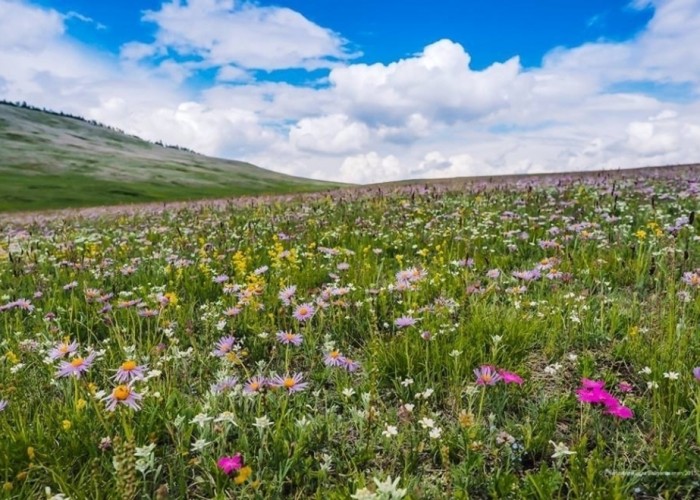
pixel 696 373
pixel 62 350
pixel 289 383
pixel 76 367
pixel 304 312
pixel 225 385
pixel 486 375
pixel 290 338
pixel 124 395
pixel 3 404
pixel 221 278
pixel 350 365
pixel 129 371
pixel 405 321
pixel 255 385
pixel 224 346
pixel 286 294
pixel 333 358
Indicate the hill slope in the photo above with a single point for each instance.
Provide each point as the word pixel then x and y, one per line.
pixel 52 161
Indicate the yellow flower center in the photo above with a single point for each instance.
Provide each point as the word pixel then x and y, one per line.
pixel 289 336
pixel 289 383
pixel 334 354
pixel 63 348
pixel 486 377
pixel 77 362
pixel 128 365
pixel 121 392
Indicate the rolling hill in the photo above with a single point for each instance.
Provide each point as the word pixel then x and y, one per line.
pixel 49 160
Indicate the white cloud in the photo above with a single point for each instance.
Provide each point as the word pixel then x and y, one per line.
pixel 428 115
pixel 221 32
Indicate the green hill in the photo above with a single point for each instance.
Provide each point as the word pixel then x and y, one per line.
pixel 49 160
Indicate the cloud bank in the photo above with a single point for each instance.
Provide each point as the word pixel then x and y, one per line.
pixel 599 105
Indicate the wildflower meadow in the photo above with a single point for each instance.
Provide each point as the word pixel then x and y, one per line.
pixel 535 338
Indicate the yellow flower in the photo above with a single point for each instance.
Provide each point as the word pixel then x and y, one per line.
pixel 633 331
pixel 66 424
pixel 21 476
pixel 81 404
pixel 30 453
pixel 243 475
pixel 466 419
pixel 172 298
pixel 7 486
pixel 641 234
pixel 12 357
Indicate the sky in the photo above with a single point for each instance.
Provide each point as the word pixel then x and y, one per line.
pixel 371 91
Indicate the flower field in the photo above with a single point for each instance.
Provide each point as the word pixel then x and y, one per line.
pixel 521 339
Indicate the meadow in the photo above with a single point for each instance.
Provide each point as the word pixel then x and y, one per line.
pixel 525 339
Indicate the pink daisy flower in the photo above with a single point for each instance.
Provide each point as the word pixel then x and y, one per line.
pixel 486 375
pixel 129 371
pixel 304 312
pixel 76 367
pixel 289 383
pixel 124 395
pixel 290 338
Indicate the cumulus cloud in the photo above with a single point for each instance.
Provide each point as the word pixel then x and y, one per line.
pixel 221 32
pixel 427 115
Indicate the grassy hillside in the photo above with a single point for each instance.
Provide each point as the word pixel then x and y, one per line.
pixel 52 161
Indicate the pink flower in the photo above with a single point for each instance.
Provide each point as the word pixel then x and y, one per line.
pixel 592 384
pixel 255 385
pixel 333 358
pixel 696 373
pixel 510 377
pixel 405 321
pixel 230 464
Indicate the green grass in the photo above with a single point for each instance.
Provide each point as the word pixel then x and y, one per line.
pixel 617 301
pixel 52 162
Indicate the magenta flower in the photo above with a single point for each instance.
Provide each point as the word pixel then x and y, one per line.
pixel 510 377
pixel 289 338
pixel 620 411
pixel 486 375
pixel 291 384
pixel 592 384
pixel 304 312
pixel 124 395
pixel 63 349
pixel 76 367
pixel 230 464
pixel 129 371
pixel 224 346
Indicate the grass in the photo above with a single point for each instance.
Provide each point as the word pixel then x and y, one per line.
pixel 409 290
pixel 51 162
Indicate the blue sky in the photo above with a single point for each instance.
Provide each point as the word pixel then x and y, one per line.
pixel 384 31
pixel 373 90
